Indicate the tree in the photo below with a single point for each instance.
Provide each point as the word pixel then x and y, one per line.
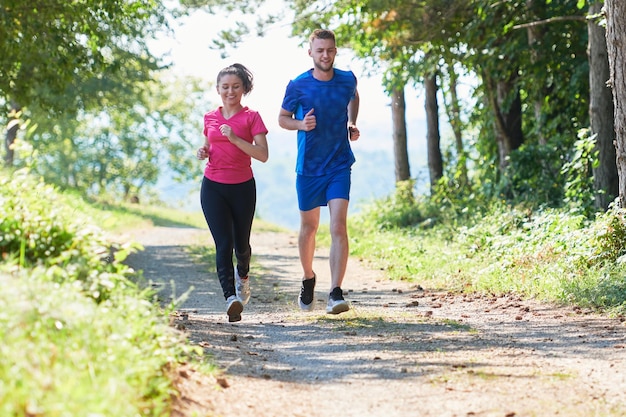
pixel 601 112
pixel 453 111
pixel 435 161
pixel 78 43
pixel 517 73
pixel 82 43
pixel 400 150
pixel 616 38
pixel 12 128
pixel 124 146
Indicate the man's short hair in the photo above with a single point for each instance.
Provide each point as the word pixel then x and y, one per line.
pixel 322 34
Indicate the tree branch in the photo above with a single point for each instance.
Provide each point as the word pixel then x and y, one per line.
pixel 550 20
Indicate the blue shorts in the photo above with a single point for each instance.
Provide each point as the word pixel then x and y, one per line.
pixel 318 191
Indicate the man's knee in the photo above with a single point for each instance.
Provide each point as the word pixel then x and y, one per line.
pixel 338 230
pixel 308 228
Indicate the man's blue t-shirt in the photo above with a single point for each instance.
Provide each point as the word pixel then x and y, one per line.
pixel 326 148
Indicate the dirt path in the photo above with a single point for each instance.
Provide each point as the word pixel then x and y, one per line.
pixel 401 350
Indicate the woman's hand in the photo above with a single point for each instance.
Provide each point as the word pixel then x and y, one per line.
pixel 202 153
pixel 228 132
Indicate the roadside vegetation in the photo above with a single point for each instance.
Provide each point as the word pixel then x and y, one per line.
pixel 560 255
pixel 80 334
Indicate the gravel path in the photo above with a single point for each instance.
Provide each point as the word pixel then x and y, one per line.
pixel 402 350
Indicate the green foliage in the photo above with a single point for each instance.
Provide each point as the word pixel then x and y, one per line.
pixel 450 204
pixel 37 231
pixel 79 335
pixel 559 255
pixel 396 211
pixel 608 237
pixel 63 354
pixel 579 190
pixel 533 175
pixel 553 175
pixel 122 148
pixel 83 42
pixel 453 202
pixel 551 77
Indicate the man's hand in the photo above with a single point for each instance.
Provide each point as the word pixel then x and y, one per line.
pixel 354 132
pixel 309 122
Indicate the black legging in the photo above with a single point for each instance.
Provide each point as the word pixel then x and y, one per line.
pixel 229 211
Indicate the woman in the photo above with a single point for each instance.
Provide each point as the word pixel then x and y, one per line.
pixel 234 134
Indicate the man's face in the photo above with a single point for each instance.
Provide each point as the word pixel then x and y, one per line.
pixel 323 52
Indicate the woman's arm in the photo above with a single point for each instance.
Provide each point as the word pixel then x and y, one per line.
pixel 257 149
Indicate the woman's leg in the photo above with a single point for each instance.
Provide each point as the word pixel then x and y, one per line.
pixel 215 200
pixel 244 205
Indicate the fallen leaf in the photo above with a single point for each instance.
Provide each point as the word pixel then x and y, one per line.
pixel 222 382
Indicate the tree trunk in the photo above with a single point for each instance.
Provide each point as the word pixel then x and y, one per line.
pixel 11 134
pixel 506 103
pixel 400 151
pixel 605 177
pixel 616 48
pixel 534 36
pixel 435 160
pixel 453 111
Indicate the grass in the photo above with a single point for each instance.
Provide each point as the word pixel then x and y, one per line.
pixel 64 354
pixel 122 216
pixel 79 337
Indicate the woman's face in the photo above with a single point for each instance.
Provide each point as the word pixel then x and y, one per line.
pixel 230 88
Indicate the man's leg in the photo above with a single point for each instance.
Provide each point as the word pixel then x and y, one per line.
pixel 309 222
pixel 338 254
pixel 339 247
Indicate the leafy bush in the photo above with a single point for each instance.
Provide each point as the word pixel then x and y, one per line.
pixel 579 189
pixel 398 210
pixel 79 337
pixel 38 227
pixel 64 354
pixel 552 254
pixel 608 237
pixel 534 173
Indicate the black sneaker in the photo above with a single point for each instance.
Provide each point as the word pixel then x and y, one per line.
pixel 336 303
pixel 307 293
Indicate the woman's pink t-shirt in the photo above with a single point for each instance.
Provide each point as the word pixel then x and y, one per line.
pixel 227 163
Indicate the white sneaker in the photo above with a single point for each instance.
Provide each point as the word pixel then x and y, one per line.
pixel 234 307
pixel 242 288
pixel 336 303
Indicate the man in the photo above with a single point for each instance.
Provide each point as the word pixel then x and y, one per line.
pixel 322 104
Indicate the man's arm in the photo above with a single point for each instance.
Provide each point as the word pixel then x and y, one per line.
pixel 286 121
pixel 353 112
pixel 353 109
